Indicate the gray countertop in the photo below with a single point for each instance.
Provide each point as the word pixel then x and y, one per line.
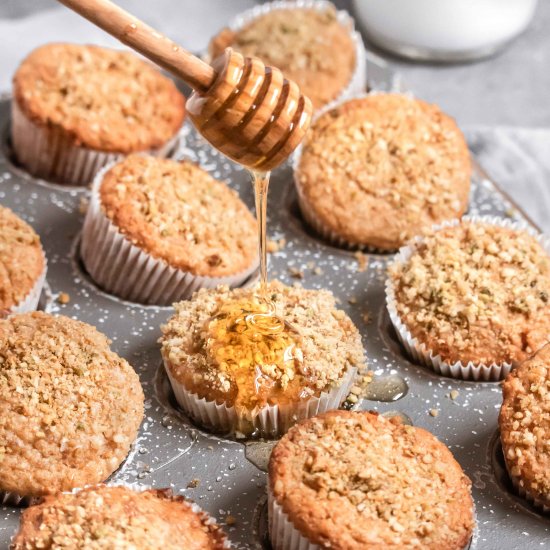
pixel 502 103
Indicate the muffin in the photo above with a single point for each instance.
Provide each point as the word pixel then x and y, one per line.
pixel 76 108
pixel 310 42
pixel 525 427
pixel 157 230
pixel 355 480
pixel 22 264
pixel 471 300
pixel 230 384
pixel 70 408
pixel 377 170
pixel 117 517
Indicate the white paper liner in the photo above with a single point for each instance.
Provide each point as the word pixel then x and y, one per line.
pixel 416 349
pixel 358 80
pixel 123 269
pixel 30 302
pixel 271 420
pixel 284 536
pixel 309 214
pixel 47 153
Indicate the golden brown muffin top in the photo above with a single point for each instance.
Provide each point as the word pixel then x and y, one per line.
pixel 355 480
pixel 69 407
pixel 178 213
pixel 329 342
pixel 378 170
pixel 310 46
pixel 100 98
pixel 21 259
pixel 525 424
pixel 476 292
pixel 117 518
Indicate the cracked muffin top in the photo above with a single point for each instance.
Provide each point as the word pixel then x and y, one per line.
pixel 310 46
pixel 525 425
pixel 179 213
pixel 355 480
pixel 69 407
pixel 119 518
pixel 476 292
pixel 22 259
pixel 102 99
pixel 378 170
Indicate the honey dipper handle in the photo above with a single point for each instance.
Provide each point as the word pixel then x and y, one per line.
pixel 146 40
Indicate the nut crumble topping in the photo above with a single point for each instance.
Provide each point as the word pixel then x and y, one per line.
pixel 476 292
pixel 180 214
pixel 358 480
pixel 310 46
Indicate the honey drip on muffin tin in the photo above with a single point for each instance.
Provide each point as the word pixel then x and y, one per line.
pixel 250 342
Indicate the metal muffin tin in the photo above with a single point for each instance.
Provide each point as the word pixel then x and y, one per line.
pixel 227 477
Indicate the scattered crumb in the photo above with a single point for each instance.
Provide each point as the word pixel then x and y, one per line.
pixel 366 317
pixel 63 298
pixel 230 520
pixel 318 271
pixel 310 265
pixel 194 483
pixel 275 246
pixel 352 300
pixel 296 273
pixel 454 394
pixel 83 205
pixel 362 261
pixel 434 412
pixel 510 212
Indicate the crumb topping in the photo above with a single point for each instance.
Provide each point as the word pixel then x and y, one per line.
pixel 69 407
pixel 329 342
pixel 180 214
pixel 103 99
pixel 101 518
pixel 378 170
pixel 476 292
pixel 525 424
pixel 21 259
pixel 371 483
pixel 310 46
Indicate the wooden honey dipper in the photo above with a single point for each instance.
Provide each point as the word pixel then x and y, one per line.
pixel 248 111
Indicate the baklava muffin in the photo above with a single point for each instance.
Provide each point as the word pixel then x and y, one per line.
pixel 310 42
pixel 355 480
pixel 76 108
pixel 157 230
pixel 377 170
pixel 230 379
pixel 70 408
pixel 22 264
pixel 117 518
pixel 525 427
pixel 472 299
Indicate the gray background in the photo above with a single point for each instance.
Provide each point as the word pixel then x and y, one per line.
pixel 502 103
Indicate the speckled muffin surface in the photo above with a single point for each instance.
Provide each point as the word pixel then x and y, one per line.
pixel 355 480
pixel 375 171
pixel 476 292
pixel 310 46
pixel 21 259
pixel 525 425
pixel 329 342
pixel 117 518
pixel 177 212
pixel 102 99
pixel 69 407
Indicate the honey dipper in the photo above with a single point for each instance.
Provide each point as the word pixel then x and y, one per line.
pixel 248 111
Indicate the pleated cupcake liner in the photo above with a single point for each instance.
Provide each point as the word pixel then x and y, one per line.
pixel 48 153
pixel 125 270
pixel 11 498
pixel 269 421
pixel 418 350
pixel 358 80
pixel 30 301
pixel 284 536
